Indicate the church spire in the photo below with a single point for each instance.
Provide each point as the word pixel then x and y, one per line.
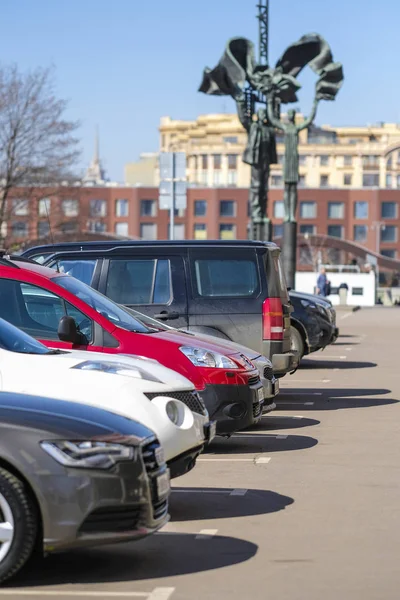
pixel 95 173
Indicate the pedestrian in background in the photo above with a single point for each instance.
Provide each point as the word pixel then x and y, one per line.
pixel 322 282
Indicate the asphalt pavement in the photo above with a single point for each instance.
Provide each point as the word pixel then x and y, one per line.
pixel 304 506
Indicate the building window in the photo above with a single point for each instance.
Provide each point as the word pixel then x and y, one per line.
pixel 232 161
pixel 324 160
pixel 148 231
pixel 360 233
pixel 230 139
pixel 121 208
pixel 19 229
pixel 217 177
pixel 69 227
pixel 200 208
pixel 232 178
pixel 277 231
pixel 200 231
pixel 217 160
pixel 398 181
pixel 122 229
pixel 43 229
pixel 390 253
pixel 361 210
pixel 203 178
pixel 20 207
pixel 307 229
pixel 389 210
pixel 97 227
pixel 279 209
pixel 347 178
pixel 204 161
pixel 388 180
pixel 302 159
pixel 371 180
pixel 324 181
pixel 227 231
pixel 179 231
pixel 348 160
pixel 276 181
pixel 308 210
pixel 148 208
pixel 44 207
pixel 370 161
pixel 335 231
pixel 335 210
pixel 389 162
pixel 227 208
pixel 389 233
pixel 98 208
pixel 70 208
pixel 280 159
pixel 302 181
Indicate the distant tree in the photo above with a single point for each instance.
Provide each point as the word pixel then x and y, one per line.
pixel 38 147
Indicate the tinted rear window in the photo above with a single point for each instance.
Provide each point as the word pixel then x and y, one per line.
pixel 226 278
pixel 136 281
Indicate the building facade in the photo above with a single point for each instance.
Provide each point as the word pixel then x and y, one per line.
pixel 371 218
pixel 330 157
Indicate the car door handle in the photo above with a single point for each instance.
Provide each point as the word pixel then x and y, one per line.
pixel 167 316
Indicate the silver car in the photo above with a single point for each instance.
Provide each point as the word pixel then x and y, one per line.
pixel 74 475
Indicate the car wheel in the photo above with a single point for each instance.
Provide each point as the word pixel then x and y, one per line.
pixel 18 525
pixel 297 341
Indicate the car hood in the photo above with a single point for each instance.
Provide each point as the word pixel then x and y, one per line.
pixel 314 297
pixel 228 344
pixel 68 420
pixel 71 358
pixel 213 344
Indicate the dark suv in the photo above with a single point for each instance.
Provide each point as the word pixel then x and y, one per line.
pixel 233 290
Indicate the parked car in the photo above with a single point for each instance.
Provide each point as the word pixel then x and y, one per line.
pixel 313 323
pixel 234 290
pixel 263 364
pixel 140 389
pixel 74 475
pixel 65 313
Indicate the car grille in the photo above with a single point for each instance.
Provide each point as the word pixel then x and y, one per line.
pixel 257 409
pixel 191 399
pixel 111 519
pixel 149 453
pixel 269 373
pixel 254 380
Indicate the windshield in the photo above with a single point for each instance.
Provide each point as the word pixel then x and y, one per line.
pixel 103 305
pixel 15 340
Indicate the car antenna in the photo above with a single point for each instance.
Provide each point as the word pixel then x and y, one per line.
pixel 51 233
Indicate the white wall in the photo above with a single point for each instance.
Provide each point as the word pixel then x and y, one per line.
pixel 306 282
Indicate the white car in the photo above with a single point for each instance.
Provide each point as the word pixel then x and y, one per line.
pixel 136 387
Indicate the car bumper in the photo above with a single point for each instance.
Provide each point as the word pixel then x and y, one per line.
pixel 285 363
pixel 234 407
pixel 268 379
pixel 180 465
pixel 102 507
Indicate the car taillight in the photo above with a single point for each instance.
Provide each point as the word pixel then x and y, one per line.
pixel 272 319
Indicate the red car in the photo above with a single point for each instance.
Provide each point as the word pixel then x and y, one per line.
pixel 63 312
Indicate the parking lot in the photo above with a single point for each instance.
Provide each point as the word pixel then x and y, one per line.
pixel 306 505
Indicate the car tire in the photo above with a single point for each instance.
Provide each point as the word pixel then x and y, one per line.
pixel 18 525
pixel 297 342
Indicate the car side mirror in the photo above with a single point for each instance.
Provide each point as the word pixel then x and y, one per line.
pixel 289 289
pixel 68 331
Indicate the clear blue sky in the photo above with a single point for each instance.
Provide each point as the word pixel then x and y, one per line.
pixel 124 63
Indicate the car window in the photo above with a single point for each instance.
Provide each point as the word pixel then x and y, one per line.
pixel 281 278
pixel 15 340
pixel 226 277
pixel 46 309
pixel 81 269
pixel 139 281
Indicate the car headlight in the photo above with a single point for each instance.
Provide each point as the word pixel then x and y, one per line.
pixel 116 369
pixel 172 412
pixel 88 454
pixel 205 358
pixel 308 304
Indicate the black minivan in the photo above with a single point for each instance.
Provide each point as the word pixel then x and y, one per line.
pixel 235 290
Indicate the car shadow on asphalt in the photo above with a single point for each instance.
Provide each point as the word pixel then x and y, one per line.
pixel 345 344
pixel 332 398
pixel 161 555
pixel 194 504
pixel 309 363
pixel 272 422
pixel 246 442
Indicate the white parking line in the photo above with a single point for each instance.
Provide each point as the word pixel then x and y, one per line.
pixel 88 594
pixel 290 381
pixel 199 491
pixel 330 356
pixel 161 594
pixel 262 460
pixel 238 492
pixel 346 316
pixel 206 534
pixel 224 460
pixel 303 393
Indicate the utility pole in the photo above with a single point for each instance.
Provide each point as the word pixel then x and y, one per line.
pixel 263 31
